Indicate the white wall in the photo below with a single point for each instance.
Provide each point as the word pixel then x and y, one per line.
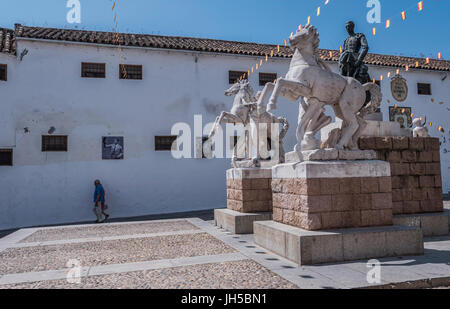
pixel 45 89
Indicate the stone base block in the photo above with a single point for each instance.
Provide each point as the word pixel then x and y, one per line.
pixel 249 190
pixel 432 224
pixel 237 222
pixel 330 155
pixel 308 247
pixel 332 194
pixel 416 172
pixel 373 128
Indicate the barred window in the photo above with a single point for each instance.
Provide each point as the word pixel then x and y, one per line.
pixel 424 89
pixel 265 78
pixel 6 157
pixel 3 72
pixel 54 143
pixel 234 76
pixel 93 70
pixel 128 71
pixel 165 143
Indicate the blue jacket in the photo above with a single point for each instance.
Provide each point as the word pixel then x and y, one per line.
pixel 99 191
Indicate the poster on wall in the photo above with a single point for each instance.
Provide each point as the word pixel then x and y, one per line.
pixel 402 115
pixel 112 148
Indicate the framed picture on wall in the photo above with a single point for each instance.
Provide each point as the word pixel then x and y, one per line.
pixel 402 115
pixel 112 148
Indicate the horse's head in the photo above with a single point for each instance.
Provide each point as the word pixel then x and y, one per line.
pixel 233 89
pixel 242 86
pixel 306 37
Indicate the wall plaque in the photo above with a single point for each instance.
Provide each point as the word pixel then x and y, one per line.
pixel 399 88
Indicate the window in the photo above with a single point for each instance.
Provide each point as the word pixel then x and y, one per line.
pixel 424 89
pixel 165 143
pixel 265 78
pixel 128 71
pixel 93 70
pixel 233 76
pixel 54 143
pixel 3 72
pixel 6 157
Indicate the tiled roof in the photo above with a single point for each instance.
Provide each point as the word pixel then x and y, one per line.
pixel 206 45
pixel 7 41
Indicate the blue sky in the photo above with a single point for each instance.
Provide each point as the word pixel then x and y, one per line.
pixel 422 34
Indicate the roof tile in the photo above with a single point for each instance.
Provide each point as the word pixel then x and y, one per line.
pixel 7 45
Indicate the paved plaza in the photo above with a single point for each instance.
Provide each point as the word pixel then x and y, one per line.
pixel 190 253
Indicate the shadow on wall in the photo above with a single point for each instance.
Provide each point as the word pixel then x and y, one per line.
pixel 214 107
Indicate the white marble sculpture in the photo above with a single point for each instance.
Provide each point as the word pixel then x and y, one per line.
pixel 245 111
pixel 261 123
pixel 419 128
pixel 312 81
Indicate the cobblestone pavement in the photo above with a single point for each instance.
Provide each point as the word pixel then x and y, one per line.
pixel 40 258
pixel 188 253
pixel 108 230
pixel 244 274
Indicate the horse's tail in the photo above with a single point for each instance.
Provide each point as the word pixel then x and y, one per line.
pixel 375 99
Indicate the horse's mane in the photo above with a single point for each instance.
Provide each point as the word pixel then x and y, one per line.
pixel 314 37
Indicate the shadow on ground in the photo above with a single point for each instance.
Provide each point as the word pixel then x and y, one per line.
pixel 205 215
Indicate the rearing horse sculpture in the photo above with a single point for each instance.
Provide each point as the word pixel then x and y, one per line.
pixel 245 111
pixel 309 78
pixel 240 111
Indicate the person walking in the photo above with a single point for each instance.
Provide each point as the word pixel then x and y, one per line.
pixel 99 202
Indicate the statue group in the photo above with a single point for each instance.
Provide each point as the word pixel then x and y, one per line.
pixel 310 82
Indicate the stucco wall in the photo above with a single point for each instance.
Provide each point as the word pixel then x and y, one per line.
pixel 45 89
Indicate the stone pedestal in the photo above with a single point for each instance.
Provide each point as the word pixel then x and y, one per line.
pixel 431 224
pixel 332 194
pixel 249 190
pixel 238 222
pixel 416 172
pixel 249 199
pixel 335 211
pixel 317 247
pixel 374 128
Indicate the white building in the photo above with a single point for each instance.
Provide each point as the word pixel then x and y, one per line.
pixel 43 93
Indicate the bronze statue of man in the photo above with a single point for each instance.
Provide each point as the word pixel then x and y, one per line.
pixel 353 54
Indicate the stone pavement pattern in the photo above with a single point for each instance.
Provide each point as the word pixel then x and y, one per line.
pixel 108 230
pixel 188 253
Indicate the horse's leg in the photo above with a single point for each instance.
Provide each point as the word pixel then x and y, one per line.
pixel 239 149
pixel 262 99
pixel 362 125
pixel 299 88
pixel 313 107
pixel 322 122
pixel 214 128
pixel 350 125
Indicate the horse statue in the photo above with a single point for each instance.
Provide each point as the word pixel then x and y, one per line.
pixel 245 111
pixel 310 79
pixel 261 138
pixel 239 114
